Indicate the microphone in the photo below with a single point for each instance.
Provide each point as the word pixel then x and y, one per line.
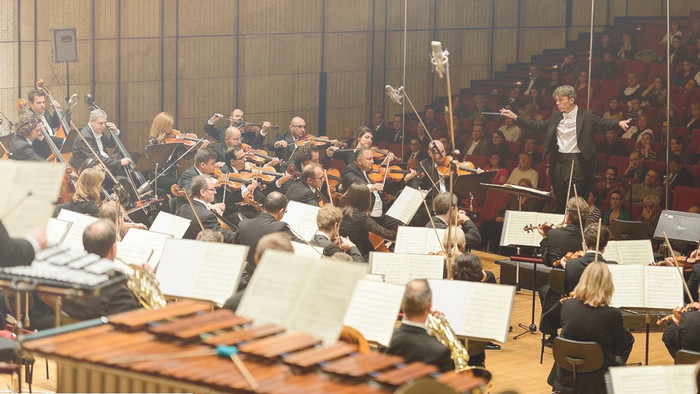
pixel 394 94
pixel 438 57
pixel 142 189
pixel 70 100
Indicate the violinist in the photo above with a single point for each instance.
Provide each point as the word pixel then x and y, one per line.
pixel 684 330
pixel 363 138
pixel 236 120
pixel 432 181
pixel 23 145
pixel 574 267
pixel 203 193
pixel 357 220
pixel 588 316
pixel 307 189
pixel 235 163
pixel 204 164
pixel 328 237
pixel 559 241
pixel 86 199
pixel 231 136
pixel 114 212
pixel 441 207
pixel 284 144
pixel 94 135
pixel 491 229
pixel 37 105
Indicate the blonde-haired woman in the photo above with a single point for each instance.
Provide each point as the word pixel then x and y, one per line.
pixel 86 198
pixel 588 316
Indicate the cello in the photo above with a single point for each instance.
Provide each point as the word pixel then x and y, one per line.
pixel 68 184
pixel 64 129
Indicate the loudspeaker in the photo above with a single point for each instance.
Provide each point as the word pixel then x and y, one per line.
pixel 65 47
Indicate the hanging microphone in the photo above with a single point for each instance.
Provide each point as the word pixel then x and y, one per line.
pixel 438 57
pixel 142 189
pixel 394 94
pixel 70 100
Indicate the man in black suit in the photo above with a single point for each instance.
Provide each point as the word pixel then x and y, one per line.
pixel 415 151
pixel 284 144
pixel 254 139
pixel 411 339
pixel 235 164
pixel 100 238
pixel 328 222
pixel 37 105
pixel 22 145
pixel 534 81
pixel 612 145
pixel 99 142
pixel 678 175
pixel 574 267
pixel 559 241
pixel 570 138
pixel 683 333
pixel 307 189
pixel 20 251
pixel 441 207
pixel 477 144
pixel 204 164
pixel 381 132
pixel 203 193
pixel 269 221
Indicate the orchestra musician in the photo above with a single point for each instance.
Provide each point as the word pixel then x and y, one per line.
pixel 328 237
pixel 236 121
pixel 203 193
pixel 684 331
pixel 86 199
pixel 588 316
pixel 269 221
pixel 161 127
pixel 569 138
pixel 363 138
pixel 441 207
pixel 357 222
pixel 24 145
pixel 234 164
pixel 284 144
pixel 20 251
pixel 557 242
pixel 307 189
pixel 204 164
pixel 411 339
pixel 37 105
pixel 94 135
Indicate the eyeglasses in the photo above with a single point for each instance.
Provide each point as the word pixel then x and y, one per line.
pixel 212 189
pixel 299 126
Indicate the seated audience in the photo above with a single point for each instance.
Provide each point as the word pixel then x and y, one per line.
pixel 648 187
pixel 499 146
pixel 650 214
pixel 615 211
pixel 495 165
pixel 523 170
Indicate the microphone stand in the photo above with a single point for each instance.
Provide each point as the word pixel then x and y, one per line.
pixel 157 175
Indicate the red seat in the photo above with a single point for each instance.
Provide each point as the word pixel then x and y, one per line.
pixel 659 148
pixel 656 164
pixel 602 162
pixel 542 175
pixel 694 146
pixel 396 149
pixel 478 161
pixel 636 211
pixel 610 89
pixel 695 171
pixel 638 67
pixel 620 162
pixel 337 164
pixel 629 144
pixel 654 70
pixel 515 147
pixel 494 201
pixel 682 131
pixel 685 197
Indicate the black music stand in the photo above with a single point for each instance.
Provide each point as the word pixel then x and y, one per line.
pixel 678 226
pixel 627 230
pixel 154 157
pixel 67 146
pixel 472 183
pixel 5 144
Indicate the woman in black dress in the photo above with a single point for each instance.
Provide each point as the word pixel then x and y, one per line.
pixel 357 224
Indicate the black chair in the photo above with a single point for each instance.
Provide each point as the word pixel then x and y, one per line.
pixel 576 356
pixel 684 356
pixel 556 284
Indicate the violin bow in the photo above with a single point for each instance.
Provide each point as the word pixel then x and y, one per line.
pixel 177 191
pixel 580 224
pixel 597 240
pixel 328 186
pixel 571 178
pixel 680 272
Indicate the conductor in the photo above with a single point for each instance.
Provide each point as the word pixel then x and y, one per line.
pixel 569 138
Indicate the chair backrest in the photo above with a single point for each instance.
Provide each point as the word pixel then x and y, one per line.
pixel 684 356
pixel 556 280
pixel 585 356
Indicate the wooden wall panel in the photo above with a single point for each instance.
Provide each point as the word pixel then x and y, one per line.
pixel 507 41
pixel 280 16
pixel 343 15
pixel 8 29
pixel 26 10
pixel 140 18
pixel 540 13
pixel 287 54
pixel 105 19
pixel 644 7
pixel 505 13
pixel 581 15
pixel 63 14
pixel 460 14
pixel 210 17
pixel 534 40
pixel 420 14
pixel 206 57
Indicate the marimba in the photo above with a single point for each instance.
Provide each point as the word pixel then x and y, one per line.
pixel 157 351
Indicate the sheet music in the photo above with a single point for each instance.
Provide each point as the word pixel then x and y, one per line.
pixel 635 252
pixel 74 238
pixel 419 240
pixel 374 277
pixel 554 218
pixel 474 309
pixel 399 268
pixel 664 288
pixel 373 310
pixel 201 270
pixel 274 287
pixel 513 224
pixel 612 252
pixel 302 249
pixel 132 254
pixel 488 311
pixel 629 285
pixel 301 218
pixel 324 300
pixel 140 238
pixel 170 224
pixel 20 211
pixel 56 231
pixel 406 204
pixel 674 379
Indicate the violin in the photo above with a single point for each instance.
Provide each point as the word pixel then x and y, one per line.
pixel 176 137
pixel 231 180
pixel 546 226
pixel 257 156
pixel 678 312
pixel 249 199
pixel 568 256
pixel 312 139
pixel 466 168
pixel 380 154
pixel 396 173
pixel 265 174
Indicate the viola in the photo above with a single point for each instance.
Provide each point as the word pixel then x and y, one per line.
pixel 310 138
pixel 567 257
pixel 380 154
pixel 257 156
pixel 266 174
pixel 231 180
pixel 678 313
pixel 176 137
pixel 249 199
pixel 465 168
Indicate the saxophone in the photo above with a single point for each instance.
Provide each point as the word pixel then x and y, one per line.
pixel 143 285
pixel 443 332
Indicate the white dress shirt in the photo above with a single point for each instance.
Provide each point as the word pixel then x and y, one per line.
pixel 566 133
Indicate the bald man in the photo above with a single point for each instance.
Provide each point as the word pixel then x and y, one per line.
pixel 235 121
pixel 284 144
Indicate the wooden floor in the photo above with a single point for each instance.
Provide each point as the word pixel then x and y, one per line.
pixel 515 367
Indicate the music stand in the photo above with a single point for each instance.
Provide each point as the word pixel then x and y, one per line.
pixel 5 144
pixel 472 183
pixel 628 230
pixel 678 226
pixel 67 146
pixel 154 157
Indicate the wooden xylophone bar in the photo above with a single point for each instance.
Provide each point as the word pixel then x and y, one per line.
pixel 135 353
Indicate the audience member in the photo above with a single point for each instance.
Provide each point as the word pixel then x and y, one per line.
pixel 511 131
pixel 655 94
pixel 513 100
pixel 611 145
pixel 534 81
pixel 499 146
pixel 646 150
pixel 674 31
pixel 569 67
pixel 529 147
pixel 610 182
pixel 457 108
pixel 615 211
pixel 524 171
pixel 632 90
pixel 607 69
pixel 640 128
pixel 677 175
pixel 554 83
pixel 636 169
pixel 495 165
pixel 627 49
pixel 476 144
pixel 684 75
pixel 648 187
pixel 479 106
pixel 650 214
pixel 604 46
pixel 613 111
